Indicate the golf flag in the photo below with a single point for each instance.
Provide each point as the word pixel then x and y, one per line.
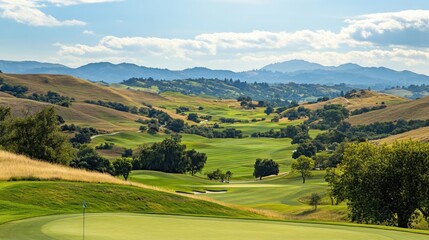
pixel 84 204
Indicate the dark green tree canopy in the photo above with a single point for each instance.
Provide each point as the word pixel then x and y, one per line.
pixel 37 136
pixel 265 167
pixel 383 184
pixel 169 156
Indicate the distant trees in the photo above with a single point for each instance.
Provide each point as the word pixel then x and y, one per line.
pixel 193 117
pixel 52 97
pixel 265 167
pixel 169 156
pixel 394 180
pixel 303 165
pixel 306 148
pixel 122 166
pixel 269 110
pixel 87 158
pixel 37 136
pixel 219 175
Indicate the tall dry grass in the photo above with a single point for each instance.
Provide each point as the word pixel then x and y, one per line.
pixel 13 166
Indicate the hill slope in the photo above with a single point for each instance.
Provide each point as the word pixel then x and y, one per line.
pixel 104 193
pixel 410 110
pixel 361 99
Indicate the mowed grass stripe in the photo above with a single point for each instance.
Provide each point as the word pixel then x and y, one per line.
pixel 158 227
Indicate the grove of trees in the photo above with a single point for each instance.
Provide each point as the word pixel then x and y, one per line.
pixel 169 156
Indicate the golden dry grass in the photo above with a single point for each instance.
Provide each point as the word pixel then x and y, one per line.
pixel 18 167
pixel 412 110
pixel 368 99
pixel 421 134
pixel 13 166
pixel 67 85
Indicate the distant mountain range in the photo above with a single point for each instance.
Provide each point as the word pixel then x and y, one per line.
pixel 297 71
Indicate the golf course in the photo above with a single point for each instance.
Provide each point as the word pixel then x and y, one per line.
pixel 159 227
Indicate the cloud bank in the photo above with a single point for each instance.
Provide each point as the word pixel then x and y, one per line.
pixel 368 39
pixel 30 11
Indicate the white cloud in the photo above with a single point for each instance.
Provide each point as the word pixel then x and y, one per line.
pixel 360 41
pixel 88 32
pixel 391 28
pixel 29 12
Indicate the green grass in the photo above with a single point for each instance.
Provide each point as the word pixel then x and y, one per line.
pixel 236 155
pixel 285 195
pixel 159 227
pixel 29 199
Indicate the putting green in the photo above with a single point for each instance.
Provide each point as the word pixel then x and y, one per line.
pixel 157 227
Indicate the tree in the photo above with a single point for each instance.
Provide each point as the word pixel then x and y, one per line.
pixel 169 156
pixel 269 110
pixel 37 136
pixel 384 184
pixel 300 137
pixel 265 167
pixel 196 161
pixel 88 158
pixel 193 117
pixel 122 166
pixel 306 148
pixel 315 200
pixel 216 175
pixel 303 165
pixel 228 175
pixel 176 125
pixel 128 152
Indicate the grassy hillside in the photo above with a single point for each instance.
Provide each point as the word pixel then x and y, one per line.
pixel 67 85
pixel 421 134
pixel 363 99
pixel 417 109
pixel 29 199
pixel 68 187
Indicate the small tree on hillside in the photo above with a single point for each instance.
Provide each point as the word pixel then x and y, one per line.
pixel 265 167
pixel 303 165
pixel 269 110
pixel 122 166
pixel 315 200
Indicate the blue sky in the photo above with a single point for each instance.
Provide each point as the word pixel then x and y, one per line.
pixel 220 34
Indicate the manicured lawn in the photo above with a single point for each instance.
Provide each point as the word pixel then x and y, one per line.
pixel 162 227
pixel 20 200
pixel 236 155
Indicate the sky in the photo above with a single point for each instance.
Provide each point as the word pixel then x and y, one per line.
pixel 236 35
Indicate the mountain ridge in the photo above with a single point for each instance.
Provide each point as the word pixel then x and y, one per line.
pixel 298 71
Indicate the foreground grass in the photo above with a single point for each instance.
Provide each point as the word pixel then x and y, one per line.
pixel 157 227
pixel 20 200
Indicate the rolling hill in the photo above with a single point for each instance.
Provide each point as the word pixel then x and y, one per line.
pixel 417 109
pixel 360 99
pixel 61 189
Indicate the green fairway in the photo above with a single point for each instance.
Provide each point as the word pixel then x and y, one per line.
pixel 286 194
pixel 160 227
pixel 236 155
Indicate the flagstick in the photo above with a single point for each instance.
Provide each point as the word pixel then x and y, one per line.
pixel 84 207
